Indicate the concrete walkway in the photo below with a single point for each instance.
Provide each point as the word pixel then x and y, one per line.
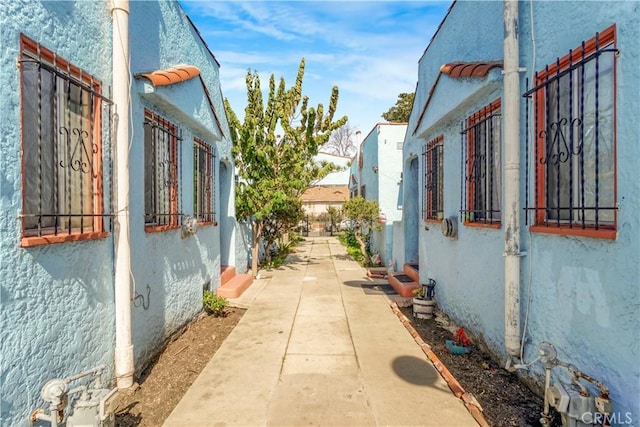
pixel 314 349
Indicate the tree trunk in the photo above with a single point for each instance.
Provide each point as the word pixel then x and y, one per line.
pixel 363 248
pixel 256 231
pixel 267 252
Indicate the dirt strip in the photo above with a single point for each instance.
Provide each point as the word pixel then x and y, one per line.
pixel 467 398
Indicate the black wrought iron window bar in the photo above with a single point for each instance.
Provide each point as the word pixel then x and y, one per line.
pixel 162 172
pixel 433 179
pixel 204 172
pixel 481 166
pixel 573 149
pixel 66 128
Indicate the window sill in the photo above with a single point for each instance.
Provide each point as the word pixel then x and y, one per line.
pixel 28 242
pixel 434 220
pixel 159 228
pixel 207 223
pixel 608 233
pixel 494 225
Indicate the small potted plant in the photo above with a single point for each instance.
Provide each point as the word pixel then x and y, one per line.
pixel 460 344
pixel 423 301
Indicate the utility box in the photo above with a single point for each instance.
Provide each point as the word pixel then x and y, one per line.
pixel 95 411
pixel 575 410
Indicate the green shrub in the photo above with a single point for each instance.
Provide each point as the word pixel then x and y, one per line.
pixel 348 239
pixel 214 304
pixel 279 256
pixel 295 238
pixel 277 260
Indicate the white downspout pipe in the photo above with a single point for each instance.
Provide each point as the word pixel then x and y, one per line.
pixel 124 348
pixel 511 116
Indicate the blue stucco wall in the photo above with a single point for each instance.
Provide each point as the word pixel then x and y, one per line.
pixel 407 243
pixel 57 311
pixel 369 150
pixel 586 292
pixel 389 173
pixel 381 174
pixel 170 269
pixel 582 294
pixel 56 316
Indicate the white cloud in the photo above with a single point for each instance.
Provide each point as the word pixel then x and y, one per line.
pixel 369 49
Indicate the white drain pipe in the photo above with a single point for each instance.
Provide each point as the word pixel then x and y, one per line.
pixel 511 117
pixel 124 348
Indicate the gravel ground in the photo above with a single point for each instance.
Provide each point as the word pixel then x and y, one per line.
pixel 506 401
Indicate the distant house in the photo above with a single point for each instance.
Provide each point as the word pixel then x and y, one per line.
pixel 521 189
pixel 318 198
pixel 376 174
pixel 329 191
pixel 64 199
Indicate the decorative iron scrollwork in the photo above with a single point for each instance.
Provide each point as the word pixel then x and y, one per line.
pixel 559 149
pixel 79 159
pixel 476 173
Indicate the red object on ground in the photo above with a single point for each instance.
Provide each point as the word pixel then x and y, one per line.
pixel 461 337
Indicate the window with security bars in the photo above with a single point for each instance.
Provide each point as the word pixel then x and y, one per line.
pixel 62 146
pixel 575 141
pixel 481 142
pixel 162 140
pixel 433 179
pixel 203 181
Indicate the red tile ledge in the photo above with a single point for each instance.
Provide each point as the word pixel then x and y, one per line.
pixel 227 272
pixel 235 286
pixel 403 288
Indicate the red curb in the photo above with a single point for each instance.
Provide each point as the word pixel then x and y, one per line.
pixel 468 399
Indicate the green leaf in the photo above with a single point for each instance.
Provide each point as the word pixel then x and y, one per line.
pixel 274 170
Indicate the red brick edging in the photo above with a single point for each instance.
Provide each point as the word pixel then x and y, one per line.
pixel 468 399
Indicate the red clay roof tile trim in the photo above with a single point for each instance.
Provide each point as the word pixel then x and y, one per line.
pixel 177 74
pixel 457 70
pixel 181 73
pixel 469 69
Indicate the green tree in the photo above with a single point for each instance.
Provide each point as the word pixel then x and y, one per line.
pixel 400 112
pixel 275 170
pixel 364 216
pixel 280 222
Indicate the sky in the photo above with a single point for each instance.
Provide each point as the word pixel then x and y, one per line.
pixel 369 49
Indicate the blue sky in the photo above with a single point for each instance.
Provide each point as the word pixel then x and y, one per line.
pixel 369 49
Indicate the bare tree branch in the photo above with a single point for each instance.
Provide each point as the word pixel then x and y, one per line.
pixel 342 141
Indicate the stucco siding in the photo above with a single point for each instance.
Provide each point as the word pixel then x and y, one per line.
pixel 381 174
pixel 169 270
pixel 585 291
pixel 57 300
pixel 579 293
